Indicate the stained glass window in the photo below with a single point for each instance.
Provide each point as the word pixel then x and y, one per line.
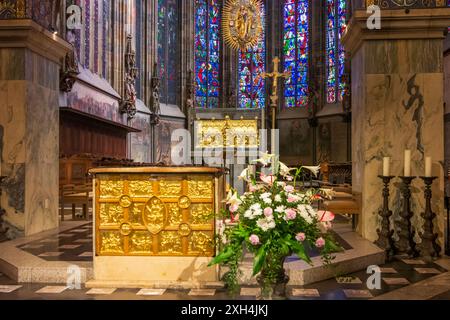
pixel 296 51
pixel 207 53
pixel 168 50
pixel 336 15
pixel 252 94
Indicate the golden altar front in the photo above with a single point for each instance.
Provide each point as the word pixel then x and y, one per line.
pixel 155 225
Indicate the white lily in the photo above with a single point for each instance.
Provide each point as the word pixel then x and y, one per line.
pixel 327 193
pixel 244 175
pixel 284 169
pixel 234 200
pixel 266 158
pixel 313 169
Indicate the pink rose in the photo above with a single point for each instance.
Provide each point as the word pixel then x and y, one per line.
pixel 290 214
pixel 254 239
pixel 269 179
pixel 268 212
pixel 234 208
pixel 320 243
pixel 289 188
pixel 291 199
pixel 300 237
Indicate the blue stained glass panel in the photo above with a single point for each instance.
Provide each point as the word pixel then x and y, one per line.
pixel 296 29
pixel 207 52
pixel 251 92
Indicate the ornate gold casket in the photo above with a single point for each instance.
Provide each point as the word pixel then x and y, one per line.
pixel 155 224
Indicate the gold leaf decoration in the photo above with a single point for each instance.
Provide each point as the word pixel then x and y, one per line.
pixel 242 23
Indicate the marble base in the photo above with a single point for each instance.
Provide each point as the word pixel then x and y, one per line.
pixel 363 254
pixel 23 267
pixel 175 285
pixel 158 271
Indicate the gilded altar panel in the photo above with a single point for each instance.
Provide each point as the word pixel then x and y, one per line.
pixel 155 214
pixel 227 133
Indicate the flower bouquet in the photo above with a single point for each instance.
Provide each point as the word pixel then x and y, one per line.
pixel 273 220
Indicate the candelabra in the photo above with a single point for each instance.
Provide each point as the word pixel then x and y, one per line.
pixel 385 240
pixel 405 243
pixel 429 247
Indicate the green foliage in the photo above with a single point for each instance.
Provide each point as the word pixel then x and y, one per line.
pixel 273 221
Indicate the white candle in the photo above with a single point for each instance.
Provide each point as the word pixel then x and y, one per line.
pixel 428 166
pixel 386 166
pixel 407 172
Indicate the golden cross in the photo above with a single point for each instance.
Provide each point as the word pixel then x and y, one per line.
pixel 274 96
pixel 275 75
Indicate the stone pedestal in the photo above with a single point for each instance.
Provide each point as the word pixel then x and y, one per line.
pixel 29 125
pixel 397 104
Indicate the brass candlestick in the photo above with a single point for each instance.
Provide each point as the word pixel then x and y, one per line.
pixel 405 243
pixel 429 247
pixel 385 240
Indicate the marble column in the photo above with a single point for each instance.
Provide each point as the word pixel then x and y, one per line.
pixel 29 125
pixel 397 104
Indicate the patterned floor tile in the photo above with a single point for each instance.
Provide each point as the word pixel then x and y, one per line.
pixel 101 291
pixel 51 254
pixel 427 271
pixel 348 280
pixel 83 241
pixel 250 292
pixel 66 235
pixel 33 246
pixel 351 294
pixel 52 289
pixel 307 293
pixel 8 289
pixel 151 292
pixel 70 246
pixel 49 241
pixel 78 230
pixel 396 281
pixel 414 261
pixel 388 270
pixel 202 292
pixel 86 254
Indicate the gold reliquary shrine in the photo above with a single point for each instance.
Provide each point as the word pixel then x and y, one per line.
pixel 227 133
pixel 156 211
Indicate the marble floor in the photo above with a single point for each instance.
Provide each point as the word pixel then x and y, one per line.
pixel 401 279
pixel 72 243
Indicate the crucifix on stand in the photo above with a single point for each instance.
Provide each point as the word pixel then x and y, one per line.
pixel 274 95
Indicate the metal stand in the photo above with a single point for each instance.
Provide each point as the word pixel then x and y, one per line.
pixel 406 244
pixel 429 247
pixel 385 240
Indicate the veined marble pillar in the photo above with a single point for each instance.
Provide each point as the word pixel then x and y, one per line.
pixel 29 125
pixel 397 104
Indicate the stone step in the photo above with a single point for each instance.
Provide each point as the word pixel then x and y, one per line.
pixel 362 255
